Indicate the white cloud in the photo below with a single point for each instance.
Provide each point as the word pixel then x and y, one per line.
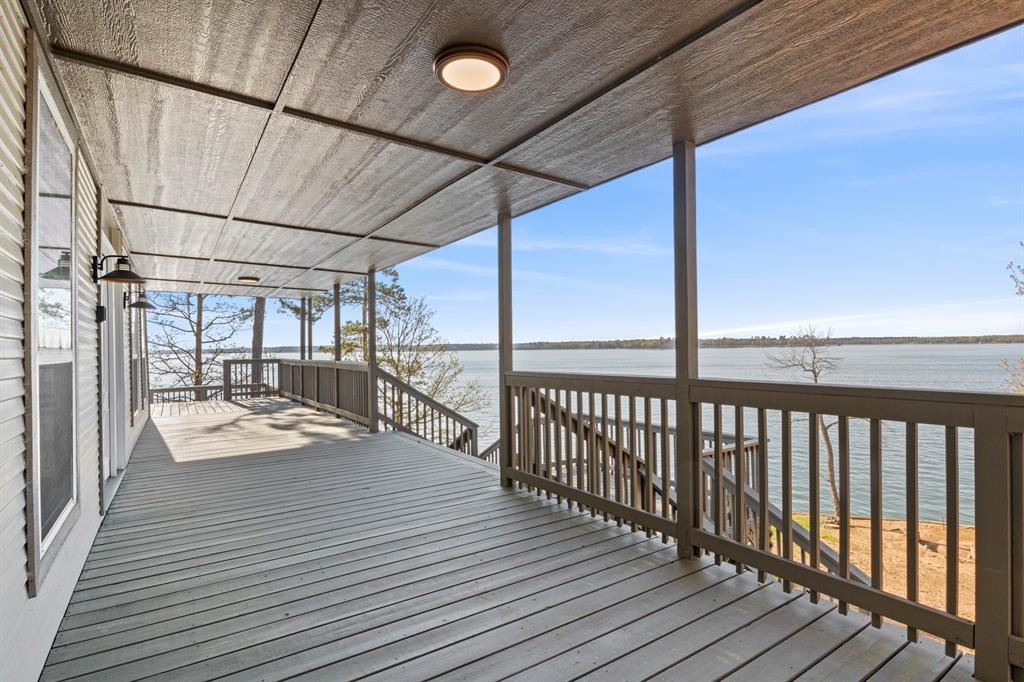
pixel 993 316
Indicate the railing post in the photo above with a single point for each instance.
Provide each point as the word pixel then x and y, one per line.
pixel 687 459
pixel 226 372
pixel 993 585
pixel 505 345
pixel 371 348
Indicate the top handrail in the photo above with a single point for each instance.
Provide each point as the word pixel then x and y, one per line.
pixel 424 398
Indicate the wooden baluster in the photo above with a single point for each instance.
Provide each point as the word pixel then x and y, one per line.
pixel 739 512
pixel 844 503
pixel 620 477
pixel 581 468
pixel 568 443
pixel 558 440
pixel 787 491
pixel 634 468
pixel 548 460
pixel 762 480
pixel 814 502
pixel 913 531
pixel 719 508
pixel 952 527
pixel 877 577
pixel 539 467
pixel 592 450
pixel 666 507
pixel 604 449
pixel 650 458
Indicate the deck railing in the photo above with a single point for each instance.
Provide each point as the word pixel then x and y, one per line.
pixel 341 388
pixel 596 441
pixel 248 378
pixel 185 394
pixel 402 407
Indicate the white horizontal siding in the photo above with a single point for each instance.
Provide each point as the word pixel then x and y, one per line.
pixel 28 625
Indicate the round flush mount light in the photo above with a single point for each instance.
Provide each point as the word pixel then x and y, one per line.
pixel 470 68
pixel 249 279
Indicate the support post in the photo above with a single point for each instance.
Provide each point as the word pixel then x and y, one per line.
pixel 505 345
pixel 688 449
pixel 302 328
pixel 992 510
pixel 371 347
pixel 337 322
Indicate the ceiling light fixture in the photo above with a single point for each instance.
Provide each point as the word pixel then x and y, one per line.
pixel 470 68
pixel 249 279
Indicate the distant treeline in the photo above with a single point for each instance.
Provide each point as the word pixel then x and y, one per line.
pixel 667 342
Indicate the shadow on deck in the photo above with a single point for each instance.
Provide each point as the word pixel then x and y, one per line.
pixel 262 540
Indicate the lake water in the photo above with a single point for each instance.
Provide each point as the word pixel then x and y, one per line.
pixel 973 367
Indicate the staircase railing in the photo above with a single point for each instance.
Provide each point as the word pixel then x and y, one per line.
pixel 401 407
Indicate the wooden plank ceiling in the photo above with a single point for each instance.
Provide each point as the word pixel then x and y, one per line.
pixel 305 142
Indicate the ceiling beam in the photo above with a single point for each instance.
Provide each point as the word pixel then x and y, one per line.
pixel 111 66
pixel 268 223
pixel 246 262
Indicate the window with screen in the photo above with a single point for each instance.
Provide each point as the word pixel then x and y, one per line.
pixel 54 357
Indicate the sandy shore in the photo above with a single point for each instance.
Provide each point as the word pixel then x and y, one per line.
pixel 932 552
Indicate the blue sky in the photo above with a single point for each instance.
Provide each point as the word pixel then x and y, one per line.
pixel 890 209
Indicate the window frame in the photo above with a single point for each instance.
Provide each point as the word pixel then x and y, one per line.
pixel 43 550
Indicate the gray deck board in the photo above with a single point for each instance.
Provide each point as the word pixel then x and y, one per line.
pixel 261 540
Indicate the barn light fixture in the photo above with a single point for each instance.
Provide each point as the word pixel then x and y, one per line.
pixel 121 272
pixel 249 279
pixel 470 68
pixel 140 301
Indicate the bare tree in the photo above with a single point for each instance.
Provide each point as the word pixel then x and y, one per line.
pixel 1017 275
pixel 190 333
pixel 810 353
pixel 410 348
pixel 1015 369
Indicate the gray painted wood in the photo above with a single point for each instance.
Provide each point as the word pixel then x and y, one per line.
pixel 244 47
pixel 249 543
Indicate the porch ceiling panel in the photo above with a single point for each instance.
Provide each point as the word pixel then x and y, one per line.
pixel 370 63
pixel 471 205
pixel 235 45
pixel 366 254
pixel 312 175
pixel 176 234
pixel 162 145
pixel 268 244
pixel 771 59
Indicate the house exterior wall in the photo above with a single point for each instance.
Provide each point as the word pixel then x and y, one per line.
pixel 28 623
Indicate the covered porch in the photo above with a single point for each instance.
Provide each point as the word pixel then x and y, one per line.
pixel 267 540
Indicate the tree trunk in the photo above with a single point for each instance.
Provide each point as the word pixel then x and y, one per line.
pixel 259 386
pixel 830 462
pixel 198 351
pixel 366 314
pixel 337 322
pixel 302 329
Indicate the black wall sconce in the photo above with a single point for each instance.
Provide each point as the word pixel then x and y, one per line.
pixel 121 272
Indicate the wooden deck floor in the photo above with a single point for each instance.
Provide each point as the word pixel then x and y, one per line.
pixel 271 543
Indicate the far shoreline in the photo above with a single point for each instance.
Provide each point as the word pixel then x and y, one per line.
pixel 668 343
